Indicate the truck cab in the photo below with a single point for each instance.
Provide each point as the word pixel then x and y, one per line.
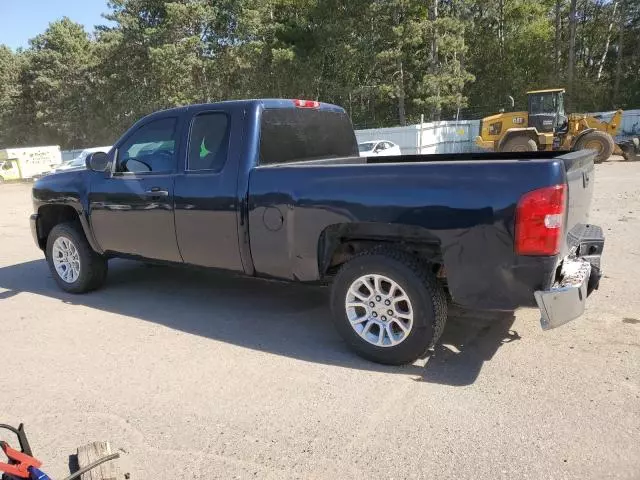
pixel 9 170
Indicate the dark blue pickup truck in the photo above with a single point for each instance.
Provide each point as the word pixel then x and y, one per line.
pixel 276 188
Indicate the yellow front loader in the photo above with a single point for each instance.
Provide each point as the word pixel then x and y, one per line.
pixel 546 126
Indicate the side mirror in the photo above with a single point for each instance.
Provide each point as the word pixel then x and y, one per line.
pixel 97 161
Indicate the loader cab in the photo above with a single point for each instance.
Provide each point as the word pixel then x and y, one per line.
pixel 546 110
pixel 9 170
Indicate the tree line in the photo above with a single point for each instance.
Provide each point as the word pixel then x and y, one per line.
pixel 386 61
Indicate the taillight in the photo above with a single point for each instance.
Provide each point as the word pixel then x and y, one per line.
pixel 306 103
pixel 540 220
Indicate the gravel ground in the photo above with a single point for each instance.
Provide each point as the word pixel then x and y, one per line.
pixel 194 375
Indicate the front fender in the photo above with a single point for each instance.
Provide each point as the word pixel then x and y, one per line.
pixel 584 132
pixel 66 189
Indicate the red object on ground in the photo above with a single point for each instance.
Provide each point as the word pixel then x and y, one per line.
pixel 19 462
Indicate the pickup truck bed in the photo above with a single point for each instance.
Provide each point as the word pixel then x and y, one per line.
pixel 275 188
pixel 463 205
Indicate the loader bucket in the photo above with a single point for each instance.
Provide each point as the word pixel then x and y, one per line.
pixel 630 149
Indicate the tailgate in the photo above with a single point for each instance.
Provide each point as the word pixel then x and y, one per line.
pixel 579 269
pixel 580 170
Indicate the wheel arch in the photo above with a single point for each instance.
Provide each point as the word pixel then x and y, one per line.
pixel 580 135
pixel 339 243
pixel 530 132
pixel 51 215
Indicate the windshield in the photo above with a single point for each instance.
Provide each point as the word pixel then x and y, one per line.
pixel 543 103
pixel 560 104
pixel 366 146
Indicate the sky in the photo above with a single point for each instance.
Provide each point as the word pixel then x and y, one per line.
pixel 21 20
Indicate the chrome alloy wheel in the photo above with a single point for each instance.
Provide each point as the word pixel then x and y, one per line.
pixel 66 259
pixel 379 310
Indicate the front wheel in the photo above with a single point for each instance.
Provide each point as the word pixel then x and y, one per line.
pixel 599 141
pixel 74 265
pixel 388 306
pixel 520 144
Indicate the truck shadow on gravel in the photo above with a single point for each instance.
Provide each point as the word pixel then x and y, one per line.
pixel 285 319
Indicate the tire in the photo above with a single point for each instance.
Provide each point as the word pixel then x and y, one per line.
pixel 92 268
pixel 427 303
pixel 599 141
pixel 520 144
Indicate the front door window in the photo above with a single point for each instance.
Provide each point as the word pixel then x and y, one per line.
pixel 150 149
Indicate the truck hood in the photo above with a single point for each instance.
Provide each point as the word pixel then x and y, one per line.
pixel 67 168
pixel 61 180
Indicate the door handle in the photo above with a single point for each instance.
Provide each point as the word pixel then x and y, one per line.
pixel 156 192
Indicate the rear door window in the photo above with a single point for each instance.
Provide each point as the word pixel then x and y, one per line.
pixel 297 134
pixel 208 142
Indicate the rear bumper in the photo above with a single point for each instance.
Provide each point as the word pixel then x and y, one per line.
pixel 566 300
pixel 579 277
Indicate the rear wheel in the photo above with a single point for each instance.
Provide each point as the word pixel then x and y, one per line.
pixel 388 306
pixel 520 144
pixel 601 142
pixel 74 265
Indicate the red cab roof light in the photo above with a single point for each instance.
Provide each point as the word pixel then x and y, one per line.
pixel 306 103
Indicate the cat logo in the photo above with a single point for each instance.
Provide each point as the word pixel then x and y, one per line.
pixel 518 120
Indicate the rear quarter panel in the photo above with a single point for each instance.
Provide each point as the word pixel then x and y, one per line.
pixel 467 208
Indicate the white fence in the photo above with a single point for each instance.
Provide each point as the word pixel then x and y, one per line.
pixel 435 137
pixel 459 136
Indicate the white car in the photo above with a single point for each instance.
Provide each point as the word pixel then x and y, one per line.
pixel 378 148
pixel 79 162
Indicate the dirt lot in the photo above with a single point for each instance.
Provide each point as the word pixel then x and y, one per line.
pixel 199 376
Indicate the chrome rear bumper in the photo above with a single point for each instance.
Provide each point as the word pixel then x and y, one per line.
pixel 566 300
